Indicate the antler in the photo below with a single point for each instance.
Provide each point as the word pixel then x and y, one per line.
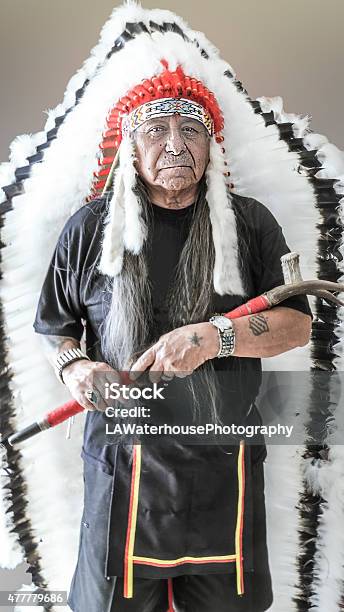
pixel 320 288
pixel 296 286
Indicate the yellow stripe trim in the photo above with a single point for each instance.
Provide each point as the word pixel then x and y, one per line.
pixel 239 520
pixel 136 476
pixel 187 559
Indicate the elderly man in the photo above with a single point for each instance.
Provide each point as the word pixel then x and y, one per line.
pixel 146 266
pixel 172 156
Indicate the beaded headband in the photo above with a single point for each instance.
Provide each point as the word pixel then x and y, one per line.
pixel 164 107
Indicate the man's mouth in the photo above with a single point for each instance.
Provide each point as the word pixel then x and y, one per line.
pixel 175 166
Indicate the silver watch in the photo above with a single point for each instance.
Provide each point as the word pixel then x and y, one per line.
pixel 65 358
pixel 226 335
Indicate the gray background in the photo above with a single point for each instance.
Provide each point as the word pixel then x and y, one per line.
pixel 292 49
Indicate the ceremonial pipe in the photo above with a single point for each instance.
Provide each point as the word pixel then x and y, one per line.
pixel 294 286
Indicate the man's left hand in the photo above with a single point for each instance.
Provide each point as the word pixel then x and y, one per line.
pixel 179 352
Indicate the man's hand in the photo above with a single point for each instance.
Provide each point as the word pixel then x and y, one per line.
pixel 184 349
pixel 78 377
pixel 179 352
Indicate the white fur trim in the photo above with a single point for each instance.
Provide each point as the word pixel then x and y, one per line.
pixel 112 248
pixel 124 227
pixel 134 228
pixel 227 278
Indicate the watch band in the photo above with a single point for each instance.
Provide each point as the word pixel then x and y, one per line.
pixel 227 342
pixel 226 335
pixel 65 358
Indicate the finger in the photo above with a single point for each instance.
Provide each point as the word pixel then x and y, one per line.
pixel 89 403
pixel 156 372
pixel 85 403
pixel 101 381
pixel 143 362
pixel 92 407
pixel 78 393
pixel 168 376
pixel 101 374
pixel 182 374
pixel 90 398
pixel 102 365
pixel 93 396
pixel 107 382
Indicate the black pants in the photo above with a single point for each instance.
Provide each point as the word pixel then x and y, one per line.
pixel 209 593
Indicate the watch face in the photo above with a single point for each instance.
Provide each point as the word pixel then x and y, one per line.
pixel 223 323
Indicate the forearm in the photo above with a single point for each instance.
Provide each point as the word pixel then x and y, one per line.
pixel 271 332
pixel 52 345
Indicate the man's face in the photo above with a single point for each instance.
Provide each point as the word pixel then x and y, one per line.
pixel 172 152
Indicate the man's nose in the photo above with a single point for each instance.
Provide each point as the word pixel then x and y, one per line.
pixel 175 143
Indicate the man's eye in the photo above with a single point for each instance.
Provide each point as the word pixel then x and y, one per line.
pixel 156 129
pixel 189 130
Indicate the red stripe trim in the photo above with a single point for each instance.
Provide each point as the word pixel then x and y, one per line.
pixel 130 516
pixel 242 524
pixel 156 564
pixel 170 595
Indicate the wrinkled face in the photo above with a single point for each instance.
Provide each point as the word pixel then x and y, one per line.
pixel 172 152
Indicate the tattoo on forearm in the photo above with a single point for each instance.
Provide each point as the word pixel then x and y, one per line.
pixel 258 324
pixel 195 339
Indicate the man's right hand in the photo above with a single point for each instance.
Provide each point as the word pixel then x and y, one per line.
pixel 78 377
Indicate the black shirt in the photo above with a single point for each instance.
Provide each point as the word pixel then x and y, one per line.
pixel 190 516
pixel 75 293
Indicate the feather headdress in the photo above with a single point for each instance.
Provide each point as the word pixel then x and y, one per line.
pixel 271 156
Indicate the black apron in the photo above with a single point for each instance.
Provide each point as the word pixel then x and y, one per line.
pixel 165 511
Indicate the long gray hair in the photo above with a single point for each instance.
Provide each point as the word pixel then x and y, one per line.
pixel 128 327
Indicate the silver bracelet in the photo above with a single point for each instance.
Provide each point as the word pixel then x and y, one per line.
pixel 226 334
pixel 65 358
